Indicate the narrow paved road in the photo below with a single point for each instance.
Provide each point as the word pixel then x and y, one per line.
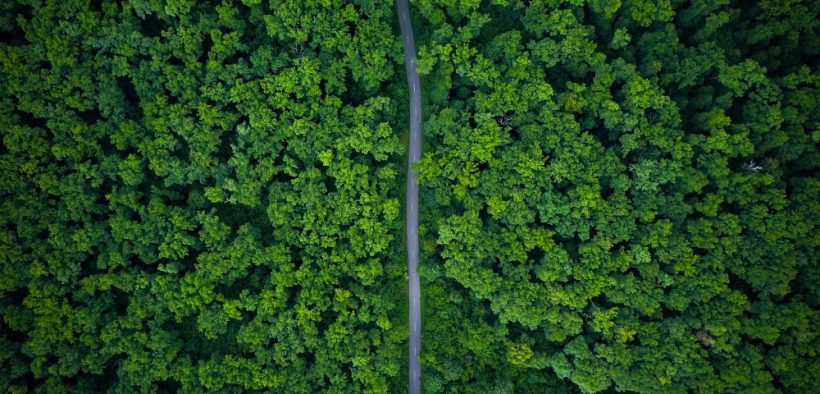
pixel 412 210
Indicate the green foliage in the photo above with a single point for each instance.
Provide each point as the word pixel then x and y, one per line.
pixel 625 192
pixel 617 195
pixel 167 220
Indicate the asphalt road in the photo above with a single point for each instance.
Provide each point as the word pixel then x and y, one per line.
pixel 412 208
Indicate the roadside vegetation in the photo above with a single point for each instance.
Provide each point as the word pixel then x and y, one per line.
pixel 207 196
pixel 620 195
pixel 201 196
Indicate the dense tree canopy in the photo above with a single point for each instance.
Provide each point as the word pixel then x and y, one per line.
pixel 206 196
pixel 625 193
pixel 200 196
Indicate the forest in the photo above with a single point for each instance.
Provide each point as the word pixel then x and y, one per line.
pixel 208 196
